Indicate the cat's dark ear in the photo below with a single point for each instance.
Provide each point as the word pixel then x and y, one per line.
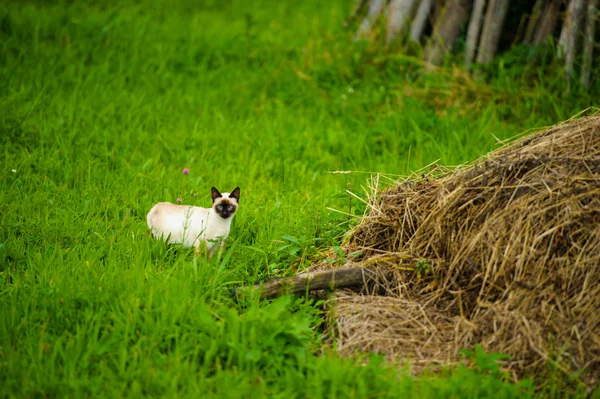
pixel 215 194
pixel 235 194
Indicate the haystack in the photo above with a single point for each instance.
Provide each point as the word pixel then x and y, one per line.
pixel 504 253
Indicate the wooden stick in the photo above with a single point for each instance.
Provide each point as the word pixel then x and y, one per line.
pixel 345 277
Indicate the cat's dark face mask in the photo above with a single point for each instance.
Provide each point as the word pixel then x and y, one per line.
pixel 225 208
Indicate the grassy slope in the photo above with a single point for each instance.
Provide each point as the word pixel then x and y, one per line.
pixel 102 106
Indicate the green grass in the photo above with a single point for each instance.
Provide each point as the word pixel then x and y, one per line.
pixel 103 105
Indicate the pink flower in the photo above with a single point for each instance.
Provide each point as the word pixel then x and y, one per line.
pixel 186 171
pixel 179 200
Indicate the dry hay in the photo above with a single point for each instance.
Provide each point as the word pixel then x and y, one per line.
pixel 504 253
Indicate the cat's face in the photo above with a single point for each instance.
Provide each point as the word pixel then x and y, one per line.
pixel 226 204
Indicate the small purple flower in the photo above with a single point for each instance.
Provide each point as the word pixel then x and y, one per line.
pixel 179 200
pixel 186 171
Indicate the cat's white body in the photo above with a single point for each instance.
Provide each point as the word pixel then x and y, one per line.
pixel 189 225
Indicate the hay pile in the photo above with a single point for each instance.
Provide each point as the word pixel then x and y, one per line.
pixel 504 253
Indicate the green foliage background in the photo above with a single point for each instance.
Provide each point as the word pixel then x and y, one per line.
pixel 102 105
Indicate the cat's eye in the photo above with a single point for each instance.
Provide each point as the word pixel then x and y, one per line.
pixel 230 208
pixel 220 207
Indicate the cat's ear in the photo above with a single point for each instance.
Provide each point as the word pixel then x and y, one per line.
pixel 215 194
pixel 235 194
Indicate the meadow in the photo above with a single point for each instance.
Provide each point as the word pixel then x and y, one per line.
pixel 103 104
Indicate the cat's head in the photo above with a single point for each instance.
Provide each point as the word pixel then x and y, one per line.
pixel 225 204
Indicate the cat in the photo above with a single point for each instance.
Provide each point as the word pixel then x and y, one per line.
pixel 194 226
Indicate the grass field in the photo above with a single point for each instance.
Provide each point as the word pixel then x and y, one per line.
pixel 103 104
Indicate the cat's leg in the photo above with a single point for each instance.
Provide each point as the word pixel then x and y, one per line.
pixel 212 251
pixel 217 247
pixel 200 247
pixel 220 250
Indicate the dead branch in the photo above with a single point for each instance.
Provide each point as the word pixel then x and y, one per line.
pixel 345 277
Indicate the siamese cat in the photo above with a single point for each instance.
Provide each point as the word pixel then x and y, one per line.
pixel 194 226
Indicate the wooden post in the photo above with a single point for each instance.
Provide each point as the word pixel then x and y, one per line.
pixel 398 11
pixel 548 22
pixel 534 19
pixel 567 42
pixel 418 24
pixel 358 9
pixel 446 30
pixel 375 9
pixel 494 20
pixel 588 43
pixel 473 32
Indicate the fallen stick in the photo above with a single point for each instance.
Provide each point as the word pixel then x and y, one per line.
pixel 345 277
